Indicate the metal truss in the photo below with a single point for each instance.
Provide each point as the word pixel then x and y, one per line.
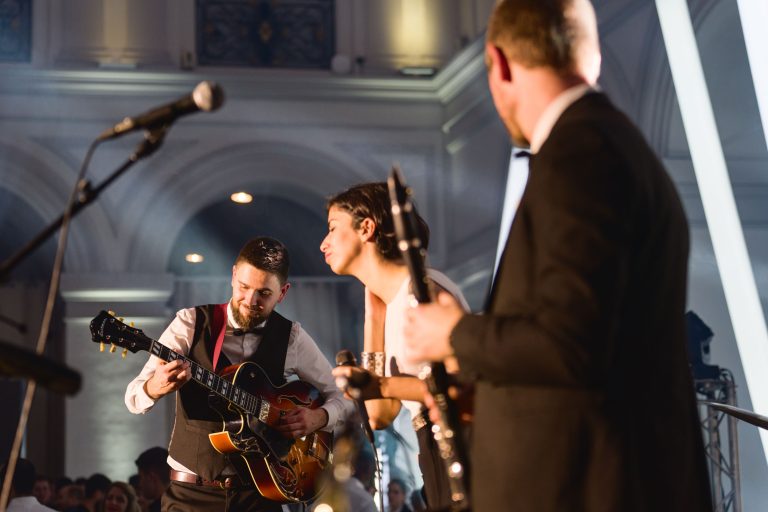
pixel 721 441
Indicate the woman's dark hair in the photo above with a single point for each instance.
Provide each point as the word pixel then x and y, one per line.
pixel 266 254
pixel 371 201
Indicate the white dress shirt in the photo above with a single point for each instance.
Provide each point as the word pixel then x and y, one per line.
pixel 517 174
pixel 517 177
pixel 27 504
pixel 303 360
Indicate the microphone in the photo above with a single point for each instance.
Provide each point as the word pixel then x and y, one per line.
pixel 354 384
pixel 207 96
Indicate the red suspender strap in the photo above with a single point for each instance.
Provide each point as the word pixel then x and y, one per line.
pixel 218 328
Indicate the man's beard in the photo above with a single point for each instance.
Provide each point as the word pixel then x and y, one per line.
pixel 247 322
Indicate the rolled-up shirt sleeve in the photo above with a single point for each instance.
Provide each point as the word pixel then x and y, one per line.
pixel 178 337
pixel 307 362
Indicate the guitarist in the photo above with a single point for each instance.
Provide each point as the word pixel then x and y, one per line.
pixel 361 241
pixel 201 478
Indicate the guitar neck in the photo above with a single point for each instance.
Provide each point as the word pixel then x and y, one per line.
pixel 210 380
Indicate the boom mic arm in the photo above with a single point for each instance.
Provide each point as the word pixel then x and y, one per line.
pixel 207 96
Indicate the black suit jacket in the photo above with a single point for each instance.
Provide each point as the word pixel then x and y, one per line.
pixel 584 400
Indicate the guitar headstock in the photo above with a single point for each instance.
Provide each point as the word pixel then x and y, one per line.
pixel 105 328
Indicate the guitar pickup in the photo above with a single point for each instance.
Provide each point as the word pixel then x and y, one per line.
pixel 264 411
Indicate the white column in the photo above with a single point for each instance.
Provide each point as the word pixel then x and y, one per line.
pixel 101 435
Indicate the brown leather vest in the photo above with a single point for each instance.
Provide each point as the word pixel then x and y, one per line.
pixel 194 418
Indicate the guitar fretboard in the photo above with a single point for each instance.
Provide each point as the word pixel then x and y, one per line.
pixel 211 381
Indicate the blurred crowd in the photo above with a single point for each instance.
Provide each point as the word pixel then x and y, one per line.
pixel 97 493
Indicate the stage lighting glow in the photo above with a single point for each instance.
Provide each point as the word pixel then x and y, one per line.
pixel 194 258
pixel 754 17
pixel 241 197
pixel 718 200
pixel 109 294
pixel 418 71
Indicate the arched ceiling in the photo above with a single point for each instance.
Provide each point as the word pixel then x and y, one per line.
pixel 219 231
pixel 18 224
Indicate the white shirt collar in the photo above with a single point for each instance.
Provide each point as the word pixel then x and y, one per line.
pixel 553 112
pixel 230 317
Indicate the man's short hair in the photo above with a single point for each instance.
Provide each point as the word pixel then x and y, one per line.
pixel 266 254
pixel 546 33
pixel 95 483
pixel 61 482
pixel 400 483
pixel 155 460
pixel 371 200
pixel 23 477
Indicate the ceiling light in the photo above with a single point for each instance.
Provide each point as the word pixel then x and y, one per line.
pixel 194 258
pixel 241 197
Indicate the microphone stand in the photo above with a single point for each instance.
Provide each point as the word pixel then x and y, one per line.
pixel 81 197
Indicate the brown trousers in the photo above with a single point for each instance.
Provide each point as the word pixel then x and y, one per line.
pixel 183 497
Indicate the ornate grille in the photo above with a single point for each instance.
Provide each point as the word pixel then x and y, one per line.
pixel 265 33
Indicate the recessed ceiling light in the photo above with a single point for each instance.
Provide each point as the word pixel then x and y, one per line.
pixel 194 258
pixel 241 197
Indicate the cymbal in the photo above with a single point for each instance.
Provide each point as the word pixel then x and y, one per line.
pixel 16 361
pixel 742 414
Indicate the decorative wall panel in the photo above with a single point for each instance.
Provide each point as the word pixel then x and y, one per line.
pixel 265 33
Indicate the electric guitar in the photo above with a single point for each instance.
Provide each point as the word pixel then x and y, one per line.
pixel 447 432
pixel 282 469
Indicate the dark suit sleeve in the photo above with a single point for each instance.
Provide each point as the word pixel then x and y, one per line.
pixel 577 208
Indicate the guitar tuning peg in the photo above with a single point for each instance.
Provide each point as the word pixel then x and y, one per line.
pixel 131 324
pixel 125 353
pixel 111 313
pixel 112 349
pixel 120 318
pixel 101 346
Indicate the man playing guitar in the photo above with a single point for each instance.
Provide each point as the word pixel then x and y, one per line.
pixel 251 331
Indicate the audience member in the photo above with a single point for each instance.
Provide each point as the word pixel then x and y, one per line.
pixel 396 493
pixel 43 490
pixel 69 497
pixel 133 481
pixel 154 476
pixel 417 501
pixel 21 498
pixel 121 498
pixel 95 489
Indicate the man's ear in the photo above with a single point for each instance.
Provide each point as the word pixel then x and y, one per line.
pixel 498 62
pixel 283 291
pixel 367 229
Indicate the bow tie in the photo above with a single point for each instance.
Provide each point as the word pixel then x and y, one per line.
pixel 243 332
pixel 522 154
